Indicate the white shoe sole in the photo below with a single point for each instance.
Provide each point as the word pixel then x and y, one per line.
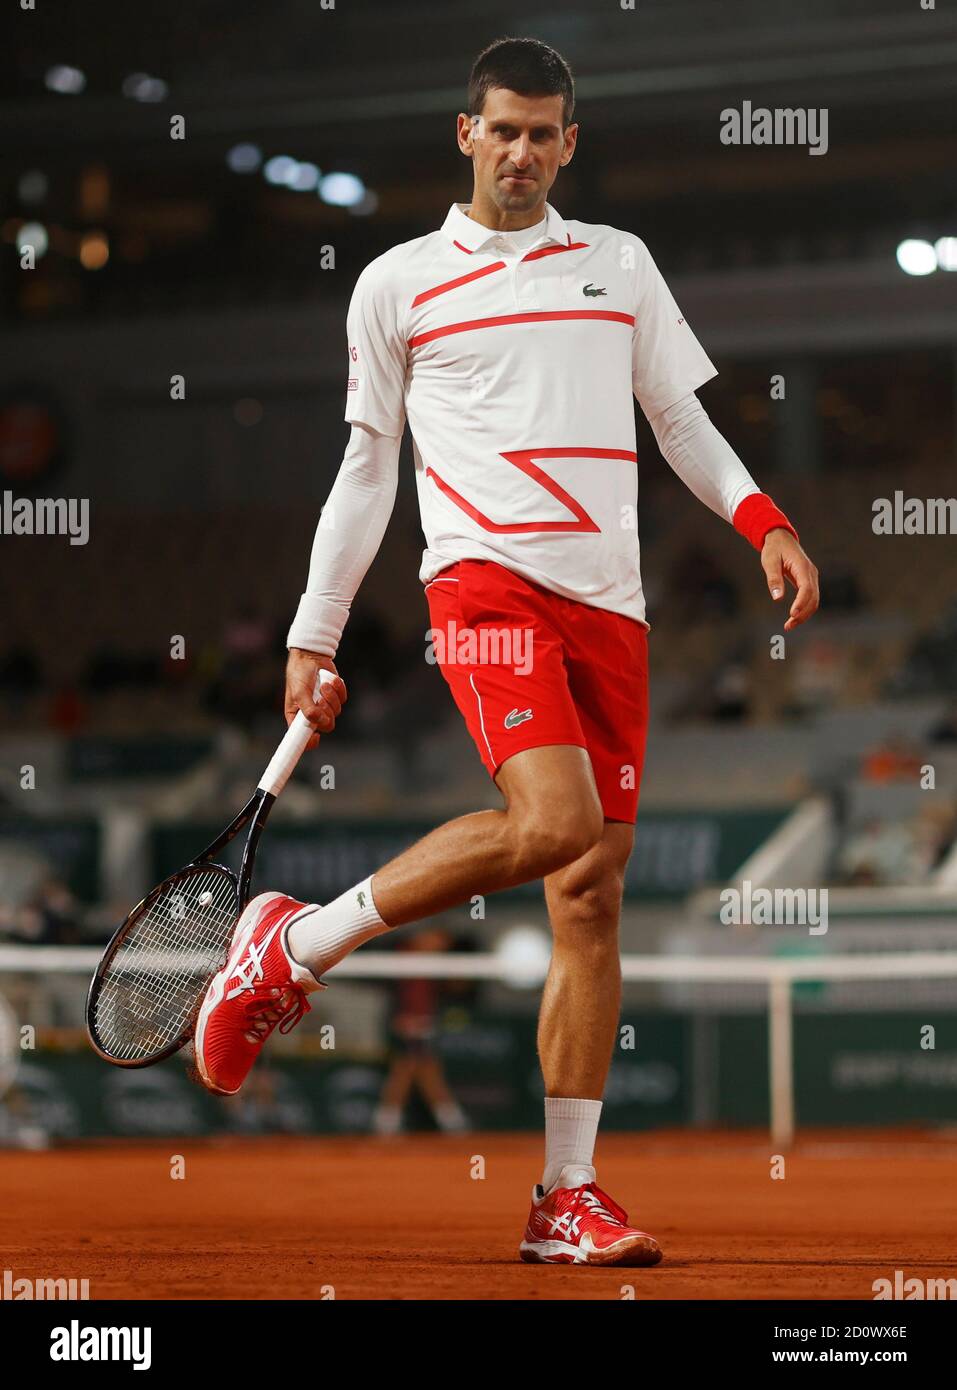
pixel 634 1251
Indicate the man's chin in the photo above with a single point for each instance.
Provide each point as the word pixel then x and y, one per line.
pixel 517 199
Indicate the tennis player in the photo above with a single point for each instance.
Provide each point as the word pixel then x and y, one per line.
pixel 513 341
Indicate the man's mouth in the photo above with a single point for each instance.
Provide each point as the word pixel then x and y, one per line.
pixel 518 178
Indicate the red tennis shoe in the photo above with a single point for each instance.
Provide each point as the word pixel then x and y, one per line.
pixel 581 1225
pixel 259 988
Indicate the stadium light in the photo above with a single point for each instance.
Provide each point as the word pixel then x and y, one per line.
pixel 916 257
pixel 141 87
pixel 945 248
pixel 33 234
pixel 244 158
pixel 64 79
pixel 280 169
pixel 305 178
pixel 94 251
pixel 342 190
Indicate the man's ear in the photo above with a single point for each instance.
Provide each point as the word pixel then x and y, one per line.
pixel 465 133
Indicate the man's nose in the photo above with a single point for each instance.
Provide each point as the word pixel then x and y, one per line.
pixel 520 153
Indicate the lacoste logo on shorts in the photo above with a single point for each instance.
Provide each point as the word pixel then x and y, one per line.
pixel 591 291
pixel 517 716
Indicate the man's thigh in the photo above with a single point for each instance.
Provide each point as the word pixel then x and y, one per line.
pixel 504 663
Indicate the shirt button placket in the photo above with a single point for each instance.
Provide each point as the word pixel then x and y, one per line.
pixel 524 285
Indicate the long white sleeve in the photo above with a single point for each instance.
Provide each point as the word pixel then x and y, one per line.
pixel 702 457
pixel 348 536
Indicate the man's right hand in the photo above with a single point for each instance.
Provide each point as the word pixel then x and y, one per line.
pixel 302 672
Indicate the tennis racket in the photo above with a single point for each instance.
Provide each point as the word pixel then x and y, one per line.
pixel 146 992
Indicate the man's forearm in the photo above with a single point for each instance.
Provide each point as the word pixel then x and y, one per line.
pixel 347 539
pixel 707 465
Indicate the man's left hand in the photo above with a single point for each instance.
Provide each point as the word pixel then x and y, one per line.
pixel 782 558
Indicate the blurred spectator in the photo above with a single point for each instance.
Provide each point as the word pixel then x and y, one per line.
pixel 414 1063
pixel 879 853
pixel 898 852
pixel 247 636
pixel 896 759
pixel 249 681
pixel 818 674
pixel 48 916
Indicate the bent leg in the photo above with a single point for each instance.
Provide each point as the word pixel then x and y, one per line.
pixel 552 816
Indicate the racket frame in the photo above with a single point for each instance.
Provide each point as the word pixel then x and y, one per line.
pixel 254 814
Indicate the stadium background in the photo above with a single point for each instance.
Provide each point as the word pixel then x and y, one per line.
pixel 168 257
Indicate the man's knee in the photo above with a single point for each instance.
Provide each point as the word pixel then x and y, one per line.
pixel 584 899
pixel 588 911
pixel 551 838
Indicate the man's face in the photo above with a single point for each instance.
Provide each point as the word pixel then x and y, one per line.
pixel 517 147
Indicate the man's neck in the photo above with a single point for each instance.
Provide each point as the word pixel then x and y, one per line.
pixel 488 215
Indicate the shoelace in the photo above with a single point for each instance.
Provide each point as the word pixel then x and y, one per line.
pixel 598 1204
pixel 268 1006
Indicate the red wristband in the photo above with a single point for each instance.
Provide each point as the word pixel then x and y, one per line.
pixel 757 515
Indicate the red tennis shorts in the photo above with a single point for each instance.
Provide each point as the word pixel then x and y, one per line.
pixel 528 668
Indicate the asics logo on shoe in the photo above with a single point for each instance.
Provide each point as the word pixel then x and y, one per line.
pixel 566 1225
pixel 250 968
pixel 591 291
pixel 516 716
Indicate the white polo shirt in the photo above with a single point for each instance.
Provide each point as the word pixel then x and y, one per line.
pixel 516 371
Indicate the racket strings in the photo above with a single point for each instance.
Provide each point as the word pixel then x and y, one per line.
pixel 152 985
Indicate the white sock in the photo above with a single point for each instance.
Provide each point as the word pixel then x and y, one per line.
pixel 387 1120
pixel 450 1117
pixel 320 937
pixel 571 1127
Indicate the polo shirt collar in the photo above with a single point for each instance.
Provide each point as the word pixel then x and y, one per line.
pixel 472 236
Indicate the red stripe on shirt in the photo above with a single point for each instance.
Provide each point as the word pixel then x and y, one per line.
pixel 454 284
pixel 555 250
pixel 501 320
pixel 523 459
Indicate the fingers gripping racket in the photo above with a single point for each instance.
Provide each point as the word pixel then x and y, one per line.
pixel 144 997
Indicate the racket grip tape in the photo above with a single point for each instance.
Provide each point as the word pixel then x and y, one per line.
pixel 294 744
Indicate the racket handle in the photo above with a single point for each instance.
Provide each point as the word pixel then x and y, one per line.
pixel 294 744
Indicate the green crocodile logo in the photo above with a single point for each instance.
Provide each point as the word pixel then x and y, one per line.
pixel 362 899
pixel 516 716
pixel 591 291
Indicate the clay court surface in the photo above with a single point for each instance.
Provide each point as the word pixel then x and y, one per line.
pixel 403 1219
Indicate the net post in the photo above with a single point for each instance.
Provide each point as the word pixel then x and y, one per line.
pixel 780 1058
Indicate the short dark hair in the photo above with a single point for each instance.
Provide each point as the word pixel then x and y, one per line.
pixel 526 66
